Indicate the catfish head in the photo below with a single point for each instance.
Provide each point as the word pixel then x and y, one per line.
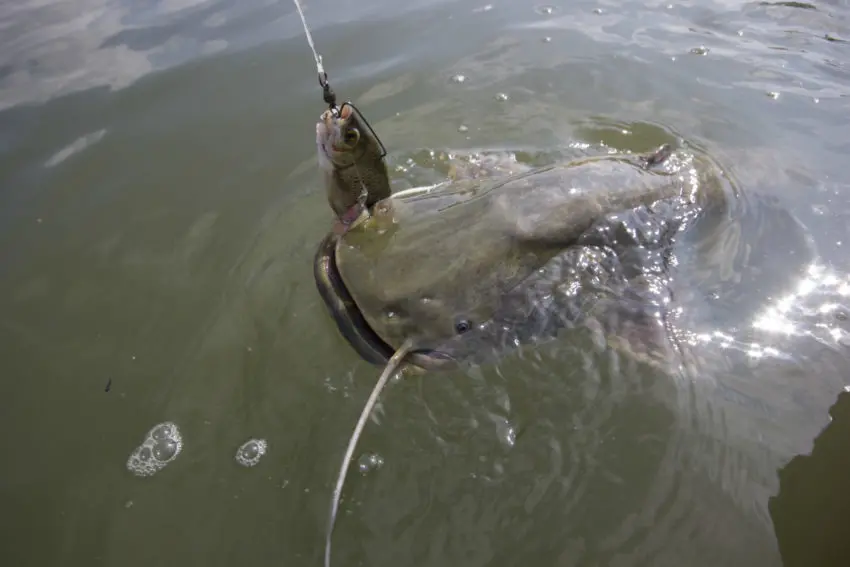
pixel 443 326
pixel 476 322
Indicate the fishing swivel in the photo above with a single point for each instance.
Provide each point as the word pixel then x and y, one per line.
pixel 328 93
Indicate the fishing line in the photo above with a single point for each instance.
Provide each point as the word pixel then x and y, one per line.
pixel 319 68
pixel 327 92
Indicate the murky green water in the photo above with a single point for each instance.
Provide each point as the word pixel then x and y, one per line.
pixel 160 206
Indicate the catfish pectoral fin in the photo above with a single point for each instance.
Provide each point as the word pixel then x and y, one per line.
pixel 636 332
pixel 645 345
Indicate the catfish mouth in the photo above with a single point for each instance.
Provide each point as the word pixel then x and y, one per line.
pixel 431 359
pixel 350 321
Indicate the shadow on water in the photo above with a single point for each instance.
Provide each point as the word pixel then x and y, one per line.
pixel 810 510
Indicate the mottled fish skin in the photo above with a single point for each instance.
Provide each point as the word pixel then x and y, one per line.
pixel 420 272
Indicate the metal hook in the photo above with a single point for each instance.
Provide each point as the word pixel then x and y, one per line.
pixel 365 123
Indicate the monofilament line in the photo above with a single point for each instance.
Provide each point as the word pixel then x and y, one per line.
pixel 316 56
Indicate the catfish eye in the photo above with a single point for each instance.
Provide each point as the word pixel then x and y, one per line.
pixel 351 136
pixel 462 326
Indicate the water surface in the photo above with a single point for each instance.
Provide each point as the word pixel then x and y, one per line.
pixel 160 206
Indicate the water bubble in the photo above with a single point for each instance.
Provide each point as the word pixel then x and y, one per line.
pixel 164 450
pixel 545 10
pixel 701 50
pixel 458 78
pixel 251 451
pixel 501 97
pixel 161 432
pixel 597 10
pixel 370 462
pixel 547 39
pixel 463 128
pixel 773 94
pixel 160 446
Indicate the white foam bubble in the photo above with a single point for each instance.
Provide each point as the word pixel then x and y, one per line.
pixel 161 446
pixel 251 451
